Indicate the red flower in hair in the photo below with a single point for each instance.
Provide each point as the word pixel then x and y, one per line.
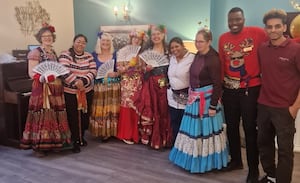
pixel 50 27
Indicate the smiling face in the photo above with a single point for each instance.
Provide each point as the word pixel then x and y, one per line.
pixel 236 22
pixel 275 29
pixel 105 43
pixel 136 41
pixel 79 45
pixel 177 49
pixel 47 38
pixel 202 43
pixel 157 36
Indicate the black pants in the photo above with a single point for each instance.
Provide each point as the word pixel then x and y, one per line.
pixel 276 122
pixel 73 113
pixel 237 106
pixel 176 116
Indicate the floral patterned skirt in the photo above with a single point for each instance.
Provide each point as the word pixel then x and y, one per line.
pixel 46 125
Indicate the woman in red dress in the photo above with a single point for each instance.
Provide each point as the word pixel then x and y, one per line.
pixel 151 103
pixel 131 83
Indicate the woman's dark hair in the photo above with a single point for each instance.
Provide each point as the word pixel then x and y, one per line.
pixel 38 35
pixel 80 35
pixel 176 40
pixel 71 50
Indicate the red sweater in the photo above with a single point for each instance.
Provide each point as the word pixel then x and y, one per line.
pixel 238 55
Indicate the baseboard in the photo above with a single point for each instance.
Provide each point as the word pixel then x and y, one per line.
pixel 297 148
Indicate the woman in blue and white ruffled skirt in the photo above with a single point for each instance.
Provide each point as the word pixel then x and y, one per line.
pixel 201 143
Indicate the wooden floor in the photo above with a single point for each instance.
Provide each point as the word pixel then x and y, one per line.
pixel 112 162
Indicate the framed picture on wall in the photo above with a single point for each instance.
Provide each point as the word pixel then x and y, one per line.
pixel 293 24
pixel 120 33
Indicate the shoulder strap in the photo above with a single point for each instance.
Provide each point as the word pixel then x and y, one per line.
pixel 115 61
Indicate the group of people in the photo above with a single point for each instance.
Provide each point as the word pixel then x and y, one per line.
pixel 261 71
pixel 194 104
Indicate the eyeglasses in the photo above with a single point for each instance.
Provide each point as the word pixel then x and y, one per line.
pixel 200 41
pixel 47 36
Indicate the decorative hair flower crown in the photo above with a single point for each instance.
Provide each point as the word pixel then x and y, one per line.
pixel 160 27
pixel 136 33
pixel 50 27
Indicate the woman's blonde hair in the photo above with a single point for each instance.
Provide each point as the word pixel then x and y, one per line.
pixel 98 44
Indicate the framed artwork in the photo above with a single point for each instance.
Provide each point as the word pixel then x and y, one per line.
pixel 293 24
pixel 120 33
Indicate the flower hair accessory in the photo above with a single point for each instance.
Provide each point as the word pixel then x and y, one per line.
pixel 139 34
pixel 50 27
pixel 99 34
pixel 160 27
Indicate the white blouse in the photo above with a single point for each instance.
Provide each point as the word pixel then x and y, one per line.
pixel 179 77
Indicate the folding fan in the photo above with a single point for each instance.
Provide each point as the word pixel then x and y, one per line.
pixel 105 68
pixel 126 53
pixel 154 58
pixel 50 68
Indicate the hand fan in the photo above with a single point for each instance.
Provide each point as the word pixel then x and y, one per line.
pixel 50 68
pixel 126 53
pixel 154 58
pixel 105 68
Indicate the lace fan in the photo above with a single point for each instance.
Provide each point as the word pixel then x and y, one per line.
pixel 126 53
pixel 50 68
pixel 154 58
pixel 105 68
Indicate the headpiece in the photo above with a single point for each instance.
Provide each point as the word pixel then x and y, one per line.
pixel 50 27
pixel 99 34
pixel 137 33
pixel 160 27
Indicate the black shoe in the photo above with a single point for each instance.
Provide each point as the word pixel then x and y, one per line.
pixel 83 143
pixel 76 147
pixel 265 180
pixel 252 179
pixel 234 166
pixel 104 139
pixel 41 154
pixel 253 175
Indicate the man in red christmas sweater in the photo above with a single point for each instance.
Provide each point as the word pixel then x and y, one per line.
pixel 241 75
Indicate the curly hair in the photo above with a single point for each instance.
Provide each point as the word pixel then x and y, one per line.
pixel 38 35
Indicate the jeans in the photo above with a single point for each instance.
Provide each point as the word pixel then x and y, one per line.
pixel 276 122
pixel 237 106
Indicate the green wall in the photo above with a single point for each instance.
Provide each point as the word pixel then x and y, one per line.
pixel 180 17
pixel 254 10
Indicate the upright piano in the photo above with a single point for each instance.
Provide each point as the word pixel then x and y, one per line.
pixel 15 90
